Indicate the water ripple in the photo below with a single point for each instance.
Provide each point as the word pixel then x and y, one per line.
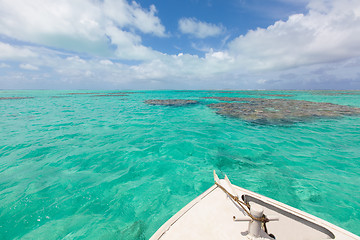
pixel 91 167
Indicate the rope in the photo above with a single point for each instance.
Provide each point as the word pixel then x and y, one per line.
pixel 263 219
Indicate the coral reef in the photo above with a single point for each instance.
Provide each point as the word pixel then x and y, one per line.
pixel 82 93
pixel 277 95
pixel 170 102
pixel 277 111
pixel 13 98
pixel 110 95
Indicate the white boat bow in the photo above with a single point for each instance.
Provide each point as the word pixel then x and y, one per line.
pixel 226 211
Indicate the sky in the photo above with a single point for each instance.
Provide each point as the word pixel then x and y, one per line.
pixel 187 44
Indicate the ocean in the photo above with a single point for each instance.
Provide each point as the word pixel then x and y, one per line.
pixel 107 165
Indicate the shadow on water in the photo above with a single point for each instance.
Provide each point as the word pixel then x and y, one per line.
pixel 133 231
pixel 224 160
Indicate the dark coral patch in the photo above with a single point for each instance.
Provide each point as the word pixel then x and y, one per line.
pixel 13 98
pixel 277 95
pixel 59 96
pixel 170 102
pixel 110 95
pixel 104 94
pixel 226 92
pixel 231 99
pixel 125 93
pixel 82 93
pixel 278 111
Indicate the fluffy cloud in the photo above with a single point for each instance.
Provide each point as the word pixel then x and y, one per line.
pixel 123 14
pixel 28 66
pixel 198 28
pixel 320 48
pixel 9 52
pixel 4 65
pixel 83 26
pixel 128 45
pixel 215 70
pixel 329 32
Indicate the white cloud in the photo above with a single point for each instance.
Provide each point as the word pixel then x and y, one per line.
pixel 4 65
pixel 106 62
pixel 133 15
pixel 215 70
pixel 129 45
pixel 321 47
pixel 79 26
pixel 198 28
pixel 9 52
pixel 329 32
pixel 28 66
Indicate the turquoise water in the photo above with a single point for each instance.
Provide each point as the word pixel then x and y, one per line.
pixel 88 167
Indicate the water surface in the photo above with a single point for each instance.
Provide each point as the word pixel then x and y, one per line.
pixel 78 166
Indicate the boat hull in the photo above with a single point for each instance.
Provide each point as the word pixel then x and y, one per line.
pixel 211 216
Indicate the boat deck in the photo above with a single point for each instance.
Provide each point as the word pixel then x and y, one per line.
pixel 210 216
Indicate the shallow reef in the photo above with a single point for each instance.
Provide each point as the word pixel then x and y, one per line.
pixel 259 93
pixel 13 98
pixel 59 96
pixel 232 99
pixel 277 95
pixel 82 93
pixel 170 102
pixel 125 93
pixel 110 95
pixel 279 111
pixel 104 94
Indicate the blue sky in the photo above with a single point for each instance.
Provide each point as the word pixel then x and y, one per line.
pixel 171 44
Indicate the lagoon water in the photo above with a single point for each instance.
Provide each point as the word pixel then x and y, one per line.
pixel 78 166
